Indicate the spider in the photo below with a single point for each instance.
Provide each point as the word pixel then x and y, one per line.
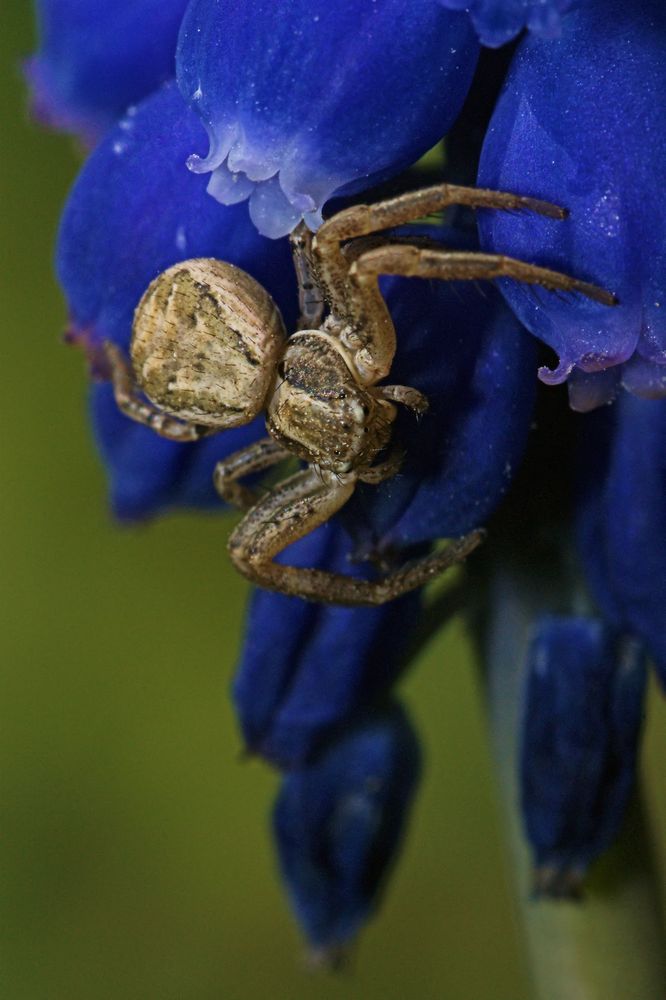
pixel 209 351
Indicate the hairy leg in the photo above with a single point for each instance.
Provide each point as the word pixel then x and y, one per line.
pixel 299 506
pixel 130 402
pixel 310 294
pixel 374 352
pixel 360 220
pixel 369 333
pixel 406 395
pixel 255 458
pixel 383 470
pixel 448 265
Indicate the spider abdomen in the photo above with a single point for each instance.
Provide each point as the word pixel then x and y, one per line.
pixel 205 342
pixel 320 411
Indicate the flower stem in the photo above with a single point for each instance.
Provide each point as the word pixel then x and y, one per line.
pixel 611 945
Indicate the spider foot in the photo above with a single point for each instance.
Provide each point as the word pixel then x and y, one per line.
pixel 407 396
pixel 384 470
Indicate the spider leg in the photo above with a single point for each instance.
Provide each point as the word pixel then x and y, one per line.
pixel 405 395
pixel 383 470
pixel 365 324
pixel 447 265
pixel 136 408
pixel 255 458
pixel 310 295
pixel 299 506
pixel 360 220
pixel 375 347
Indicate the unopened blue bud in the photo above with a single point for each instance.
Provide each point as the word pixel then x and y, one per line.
pixel 339 823
pixel 621 518
pixel 581 723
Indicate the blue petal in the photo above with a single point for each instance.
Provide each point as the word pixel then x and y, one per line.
pixel 465 350
pixel 571 127
pixel 621 519
pixel 96 58
pixel 135 210
pixel 498 21
pixel 582 718
pixel 293 134
pixel 339 822
pixel 307 669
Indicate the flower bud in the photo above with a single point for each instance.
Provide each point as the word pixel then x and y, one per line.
pixel 581 722
pixel 338 825
pixel 621 518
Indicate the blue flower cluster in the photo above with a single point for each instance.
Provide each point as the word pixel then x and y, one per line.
pixel 195 108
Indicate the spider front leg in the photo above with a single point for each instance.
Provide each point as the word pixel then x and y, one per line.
pixel 376 474
pixel 362 220
pixel 449 265
pixel 256 457
pixel 310 297
pixel 407 396
pixel 369 333
pixel 296 508
pixel 130 403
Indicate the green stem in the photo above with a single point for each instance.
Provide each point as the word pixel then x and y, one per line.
pixel 611 945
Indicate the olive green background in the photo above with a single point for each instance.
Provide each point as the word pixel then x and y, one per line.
pixel 136 855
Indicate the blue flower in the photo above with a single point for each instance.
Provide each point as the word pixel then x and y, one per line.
pixel 327 98
pixel 621 518
pixel 95 59
pixel 582 716
pixel 590 134
pixel 498 21
pixel 307 672
pixel 338 824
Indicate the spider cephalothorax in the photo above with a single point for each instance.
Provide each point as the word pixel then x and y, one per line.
pixel 209 351
pixel 320 411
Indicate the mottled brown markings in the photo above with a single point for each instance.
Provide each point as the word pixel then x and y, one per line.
pixel 217 370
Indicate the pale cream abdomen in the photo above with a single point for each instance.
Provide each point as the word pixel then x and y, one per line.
pixel 205 342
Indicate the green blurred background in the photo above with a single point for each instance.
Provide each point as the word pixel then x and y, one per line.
pixel 136 855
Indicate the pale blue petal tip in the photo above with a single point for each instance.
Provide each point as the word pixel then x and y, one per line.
pixel 320 133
